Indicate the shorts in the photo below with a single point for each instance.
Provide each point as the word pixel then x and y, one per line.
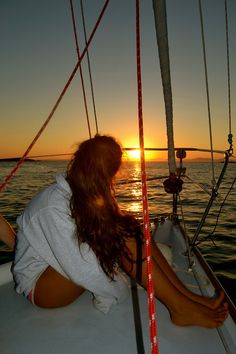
pixel 30 297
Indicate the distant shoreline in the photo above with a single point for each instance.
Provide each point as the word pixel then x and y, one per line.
pixel 15 159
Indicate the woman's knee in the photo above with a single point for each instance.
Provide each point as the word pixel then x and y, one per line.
pixel 54 290
pixel 7 234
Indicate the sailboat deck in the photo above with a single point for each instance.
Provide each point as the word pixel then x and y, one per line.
pixel 80 328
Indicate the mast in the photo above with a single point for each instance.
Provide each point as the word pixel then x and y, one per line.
pixel 159 8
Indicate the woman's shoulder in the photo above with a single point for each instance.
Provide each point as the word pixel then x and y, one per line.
pixel 56 195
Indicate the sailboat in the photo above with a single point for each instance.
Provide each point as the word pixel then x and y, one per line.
pixel 80 328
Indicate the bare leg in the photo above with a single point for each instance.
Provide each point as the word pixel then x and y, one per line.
pixel 53 290
pixel 183 310
pixel 167 270
pixel 7 234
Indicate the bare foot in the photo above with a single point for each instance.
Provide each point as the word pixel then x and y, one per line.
pixel 211 303
pixel 190 313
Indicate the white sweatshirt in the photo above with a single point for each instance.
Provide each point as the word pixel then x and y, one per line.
pixel 46 236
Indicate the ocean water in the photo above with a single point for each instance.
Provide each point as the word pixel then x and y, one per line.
pixel 219 248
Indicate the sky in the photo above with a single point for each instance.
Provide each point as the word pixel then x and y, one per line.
pixel 38 55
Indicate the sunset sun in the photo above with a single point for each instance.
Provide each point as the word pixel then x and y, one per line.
pixel 134 154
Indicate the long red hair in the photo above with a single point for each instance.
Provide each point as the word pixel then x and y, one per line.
pixel 99 221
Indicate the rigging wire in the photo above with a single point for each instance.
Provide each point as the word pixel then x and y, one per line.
pixel 139 180
pixel 228 66
pixel 187 244
pixel 229 152
pixel 147 236
pixel 200 185
pixel 221 207
pixel 230 136
pixel 80 68
pixel 189 250
pixel 89 67
pixel 22 159
pixel 125 148
pixel 207 91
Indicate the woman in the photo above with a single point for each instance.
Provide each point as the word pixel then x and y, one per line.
pixel 73 236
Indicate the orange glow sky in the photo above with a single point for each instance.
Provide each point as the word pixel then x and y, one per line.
pixel 38 55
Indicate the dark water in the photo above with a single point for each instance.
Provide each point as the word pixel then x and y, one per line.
pixel 219 249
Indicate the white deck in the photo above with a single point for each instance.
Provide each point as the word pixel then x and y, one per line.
pixel 80 328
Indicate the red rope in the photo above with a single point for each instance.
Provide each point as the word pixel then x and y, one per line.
pixel 22 159
pixel 150 287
